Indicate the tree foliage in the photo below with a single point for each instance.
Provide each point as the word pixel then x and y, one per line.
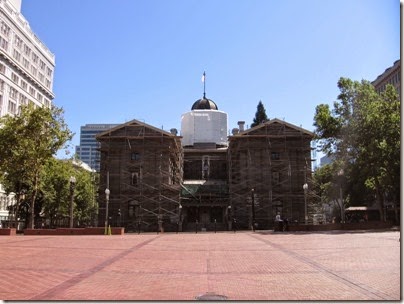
pixel 260 115
pixel 56 192
pixel 362 132
pixel 29 140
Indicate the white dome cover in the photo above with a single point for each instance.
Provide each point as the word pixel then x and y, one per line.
pixel 204 126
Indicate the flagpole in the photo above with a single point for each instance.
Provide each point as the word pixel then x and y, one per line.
pixel 204 81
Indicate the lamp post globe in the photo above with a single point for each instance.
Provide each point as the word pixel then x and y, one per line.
pixel 107 192
pixel 305 187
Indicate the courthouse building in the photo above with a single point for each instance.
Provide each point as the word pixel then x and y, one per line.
pixel 203 179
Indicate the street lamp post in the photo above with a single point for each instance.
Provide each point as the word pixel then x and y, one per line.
pixel 305 187
pixel 179 218
pixel 72 184
pixel 229 217
pixel 107 192
pixel 253 209
pixel 340 175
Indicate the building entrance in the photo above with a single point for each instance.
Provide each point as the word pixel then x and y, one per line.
pixel 207 217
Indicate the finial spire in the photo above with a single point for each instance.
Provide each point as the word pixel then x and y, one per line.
pixel 203 80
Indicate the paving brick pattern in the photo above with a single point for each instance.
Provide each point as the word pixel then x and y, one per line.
pixel 267 266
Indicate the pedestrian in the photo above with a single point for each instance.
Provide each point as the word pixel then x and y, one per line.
pixel 278 222
pixel 234 225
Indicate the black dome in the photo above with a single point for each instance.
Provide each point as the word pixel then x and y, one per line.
pixel 204 104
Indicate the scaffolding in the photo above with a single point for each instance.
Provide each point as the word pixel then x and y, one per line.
pixel 268 165
pixel 142 167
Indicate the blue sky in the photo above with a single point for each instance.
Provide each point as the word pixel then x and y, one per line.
pixel 118 60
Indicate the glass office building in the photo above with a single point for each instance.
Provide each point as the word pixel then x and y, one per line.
pixel 87 151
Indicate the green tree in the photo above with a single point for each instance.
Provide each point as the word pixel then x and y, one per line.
pixel 260 115
pixel 362 132
pixel 29 140
pixel 56 191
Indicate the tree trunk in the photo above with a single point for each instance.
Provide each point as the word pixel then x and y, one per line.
pixel 380 201
pixel 34 193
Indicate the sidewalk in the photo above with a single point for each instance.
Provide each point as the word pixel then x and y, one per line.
pixel 169 266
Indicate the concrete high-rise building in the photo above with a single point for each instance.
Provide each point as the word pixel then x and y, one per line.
pixel 26 71
pixel 87 151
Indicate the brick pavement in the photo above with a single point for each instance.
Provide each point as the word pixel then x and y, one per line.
pixel 241 266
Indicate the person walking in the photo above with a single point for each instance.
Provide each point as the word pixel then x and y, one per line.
pixel 278 222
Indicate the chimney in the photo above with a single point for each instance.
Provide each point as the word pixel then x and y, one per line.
pixel 241 125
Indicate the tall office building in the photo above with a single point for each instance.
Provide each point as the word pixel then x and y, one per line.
pixel 26 70
pixel 88 152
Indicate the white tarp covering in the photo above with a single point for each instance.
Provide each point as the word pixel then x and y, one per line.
pixel 204 126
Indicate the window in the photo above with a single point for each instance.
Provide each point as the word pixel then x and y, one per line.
pixel 16 55
pixel 49 71
pixel 135 156
pixel 39 97
pixel 3 43
pixel 275 156
pixel 18 42
pixel 13 93
pixel 2 68
pixel 24 85
pixel 14 78
pixel 12 107
pixel 35 58
pixel 27 50
pixel 32 91
pixel 33 70
pixel 42 65
pixel 5 29
pixel 25 62
pixel 23 99
pixel 1 86
pixel 41 76
pixel 134 178
pixel 48 83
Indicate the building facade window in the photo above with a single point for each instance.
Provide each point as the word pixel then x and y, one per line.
pixel 14 78
pixel 16 55
pixel 27 50
pixel 134 178
pixel 49 71
pixel 3 43
pixel 39 97
pixel 5 29
pixel 12 107
pixel 25 62
pixel 13 93
pixel 275 156
pixel 24 85
pixel 35 58
pixel 18 42
pixel 135 156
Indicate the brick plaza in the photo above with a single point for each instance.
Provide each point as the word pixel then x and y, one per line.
pixel 356 265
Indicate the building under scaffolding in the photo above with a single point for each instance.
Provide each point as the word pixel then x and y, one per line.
pixel 203 180
pixel 268 166
pixel 142 167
